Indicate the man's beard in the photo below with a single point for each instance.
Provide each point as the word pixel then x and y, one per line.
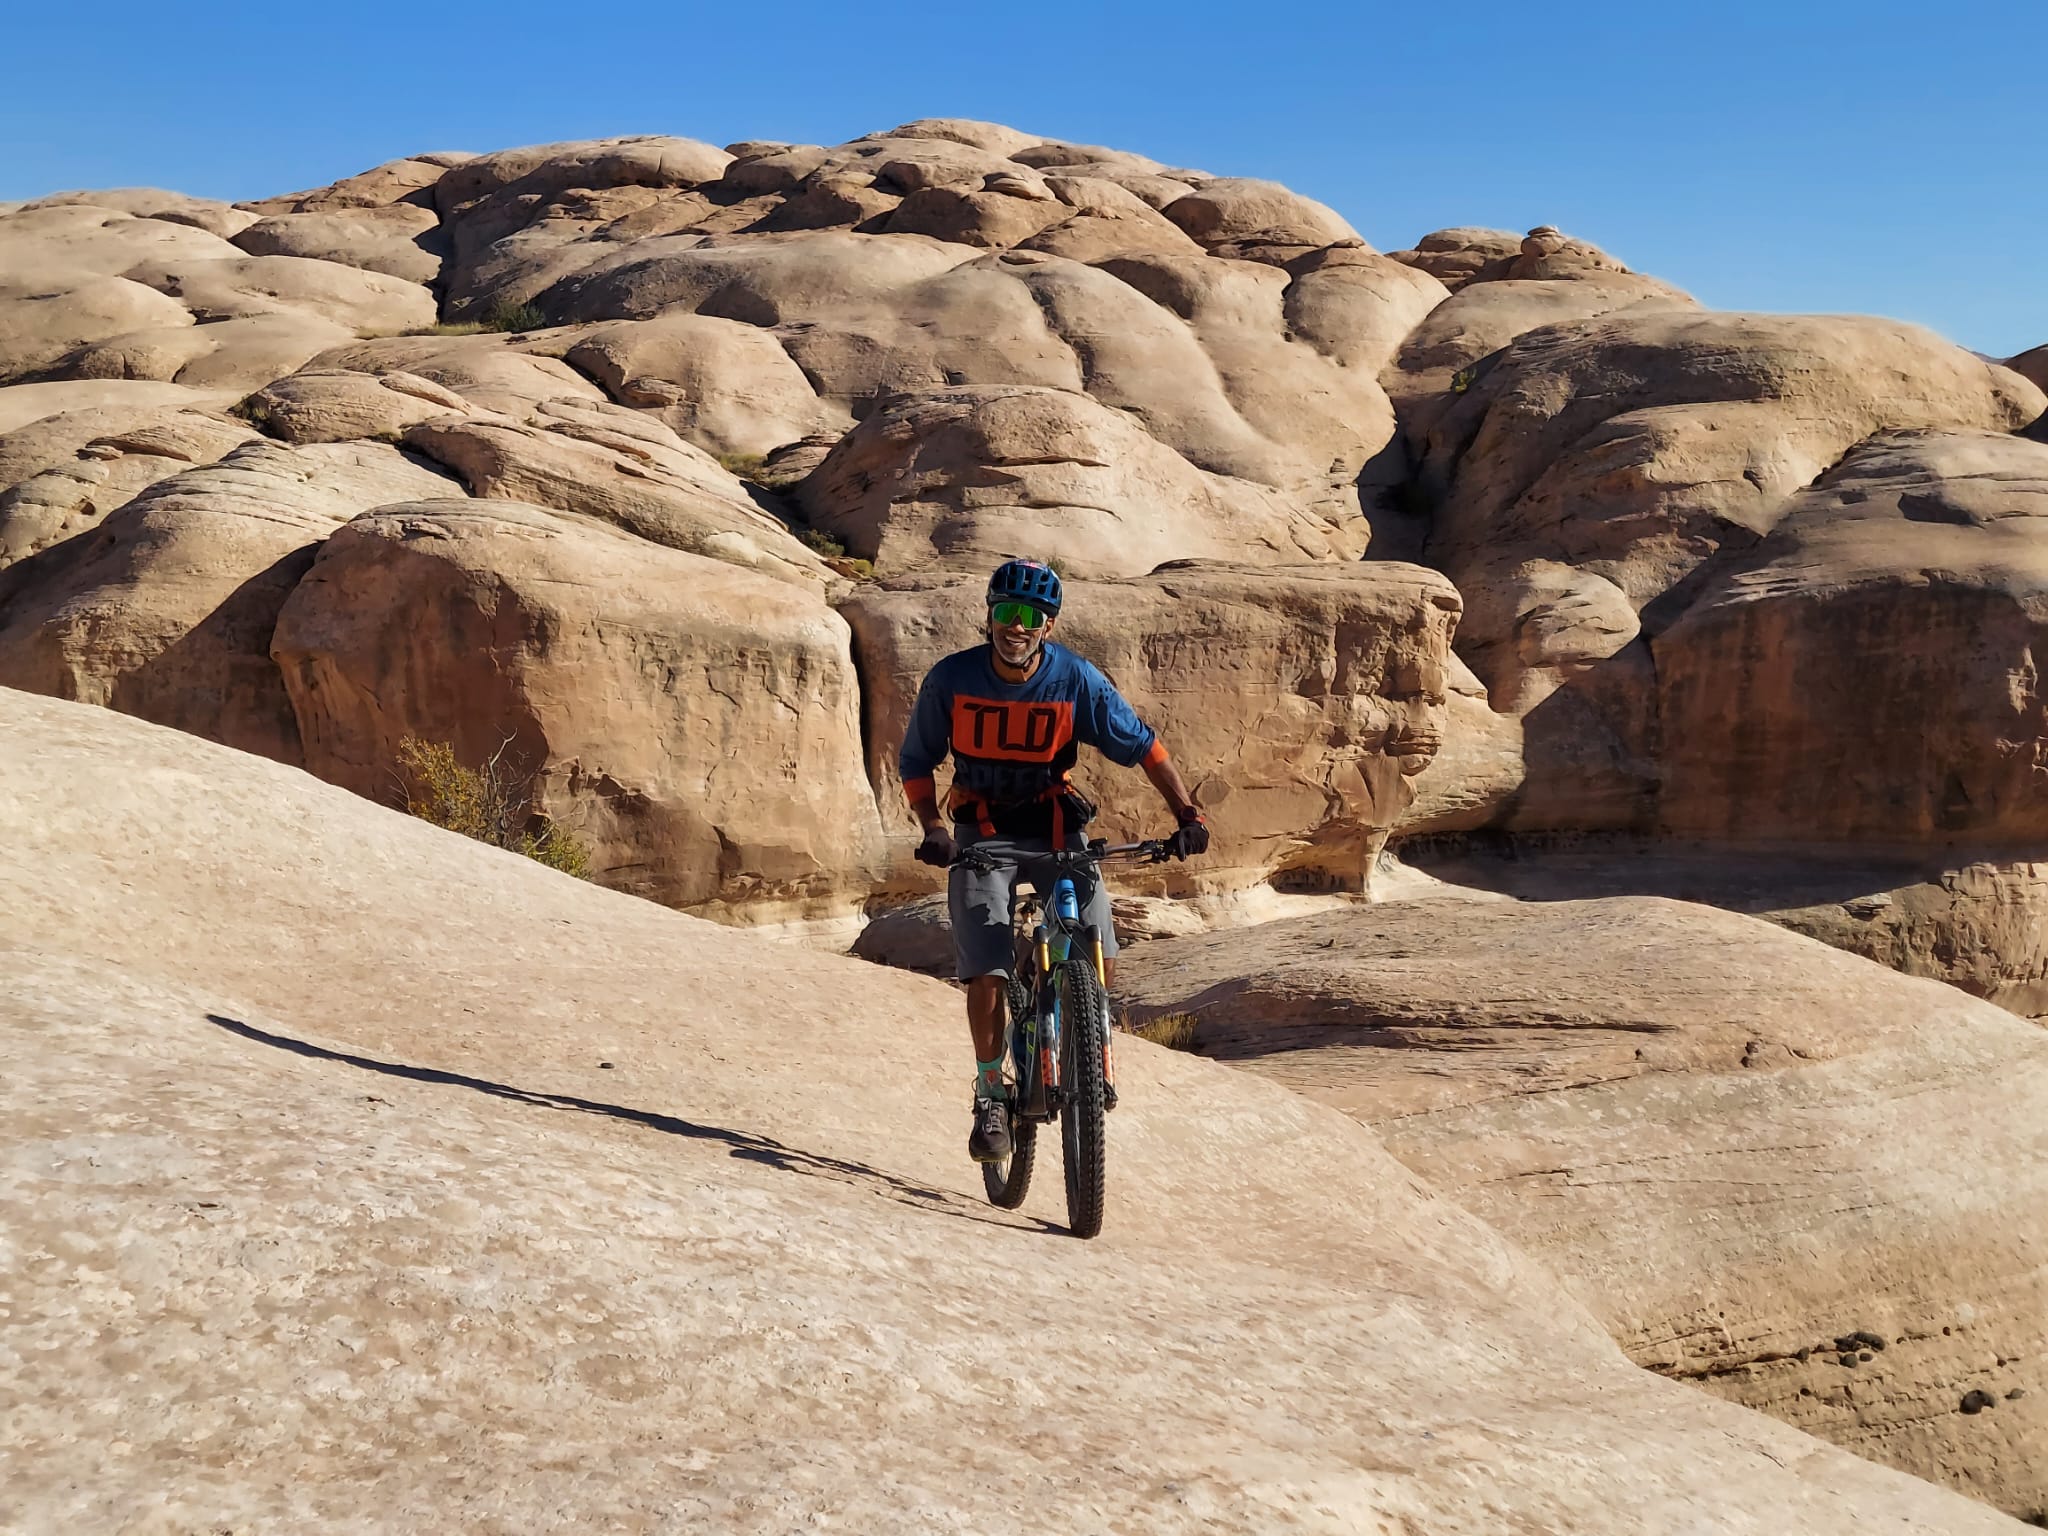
pixel 1029 650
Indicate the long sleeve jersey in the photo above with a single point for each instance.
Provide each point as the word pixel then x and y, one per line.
pixel 1013 744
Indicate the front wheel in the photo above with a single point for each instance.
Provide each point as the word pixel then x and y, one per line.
pixel 1084 1047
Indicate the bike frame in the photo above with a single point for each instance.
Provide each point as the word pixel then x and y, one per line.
pixel 1055 928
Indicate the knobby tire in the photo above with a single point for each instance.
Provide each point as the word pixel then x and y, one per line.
pixel 1009 1181
pixel 1082 1131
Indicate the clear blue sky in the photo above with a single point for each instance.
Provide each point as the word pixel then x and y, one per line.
pixel 1878 157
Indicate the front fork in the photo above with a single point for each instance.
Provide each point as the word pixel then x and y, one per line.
pixel 1055 947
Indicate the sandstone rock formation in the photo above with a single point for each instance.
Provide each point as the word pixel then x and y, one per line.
pixel 1975 923
pixel 1785 1174
pixel 696 725
pixel 66 472
pixel 951 341
pixel 496 1189
pixel 964 476
pixel 612 464
pixel 1636 445
pixel 1616 464
pixel 166 611
pixel 94 292
pixel 1336 675
pixel 1775 727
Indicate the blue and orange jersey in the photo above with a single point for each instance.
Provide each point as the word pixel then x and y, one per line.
pixel 1013 744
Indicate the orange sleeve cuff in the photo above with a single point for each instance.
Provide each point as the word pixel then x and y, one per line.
pixel 915 790
pixel 1154 754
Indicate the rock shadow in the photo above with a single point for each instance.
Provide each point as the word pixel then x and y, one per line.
pixel 743 1144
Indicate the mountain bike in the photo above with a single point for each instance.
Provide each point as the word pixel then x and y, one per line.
pixel 1059 1047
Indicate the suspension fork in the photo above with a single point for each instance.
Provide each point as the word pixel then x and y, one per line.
pixel 1094 941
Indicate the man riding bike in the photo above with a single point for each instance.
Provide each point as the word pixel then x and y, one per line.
pixel 1013 713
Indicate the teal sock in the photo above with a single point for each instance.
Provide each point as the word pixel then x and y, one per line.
pixel 988 1080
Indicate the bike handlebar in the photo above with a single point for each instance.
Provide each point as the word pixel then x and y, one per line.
pixel 1153 850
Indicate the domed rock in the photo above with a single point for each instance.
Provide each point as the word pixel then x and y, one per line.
pixel 968 475
pixel 615 466
pixel 1240 211
pixel 40 325
pixel 727 387
pixel 234 355
pixel 267 285
pixel 1437 355
pixel 613 667
pixel 972 216
pixel 1455 257
pixel 762 282
pixel 1458 257
pixel 63 474
pixel 63 243
pixel 167 612
pixel 155 203
pixel 491 372
pixel 1637 444
pixel 21 404
pixel 401 239
pixel 338 405
pixel 1869 673
pixel 408 180
pixel 544 170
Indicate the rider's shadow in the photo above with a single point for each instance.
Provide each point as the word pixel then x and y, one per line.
pixel 744 1144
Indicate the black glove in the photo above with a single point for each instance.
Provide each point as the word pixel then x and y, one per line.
pixel 1192 838
pixel 936 849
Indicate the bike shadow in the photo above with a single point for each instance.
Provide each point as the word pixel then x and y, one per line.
pixel 745 1145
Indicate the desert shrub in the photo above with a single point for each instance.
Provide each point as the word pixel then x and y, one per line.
pixel 250 408
pixel 507 316
pixel 822 543
pixel 488 803
pixel 1175 1031
pixel 556 849
pixel 747 466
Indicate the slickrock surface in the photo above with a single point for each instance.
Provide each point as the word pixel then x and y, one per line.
pixel 1980 923
pixel 1803 1182
pixel 360 1177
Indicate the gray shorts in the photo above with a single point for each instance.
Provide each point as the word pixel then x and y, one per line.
pixel 980 903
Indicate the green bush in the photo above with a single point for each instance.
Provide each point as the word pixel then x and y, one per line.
pixel 487 803
pixel 822 543
pixel 507 316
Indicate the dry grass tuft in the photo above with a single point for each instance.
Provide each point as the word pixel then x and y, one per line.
pixel 1175 1031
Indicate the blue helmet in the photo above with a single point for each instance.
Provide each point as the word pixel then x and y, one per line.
pixel 1025 581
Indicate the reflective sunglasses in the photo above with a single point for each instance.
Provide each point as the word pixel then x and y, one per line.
pixel 1018 613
